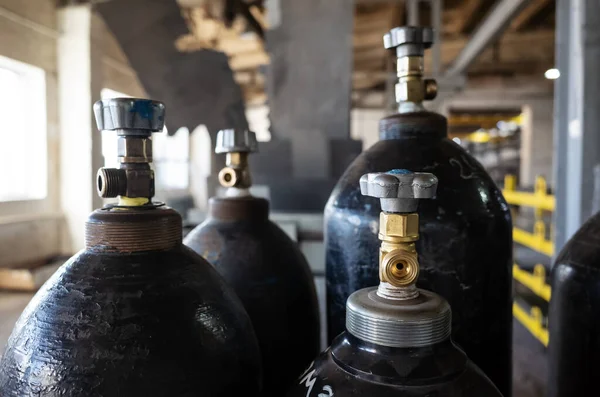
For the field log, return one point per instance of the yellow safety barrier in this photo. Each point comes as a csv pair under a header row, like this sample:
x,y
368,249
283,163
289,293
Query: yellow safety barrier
x,y
539,199
533,321
536,240
535,281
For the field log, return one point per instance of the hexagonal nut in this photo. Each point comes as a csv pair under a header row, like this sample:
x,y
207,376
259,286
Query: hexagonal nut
x,y
134,150
410,90
409,65
399,225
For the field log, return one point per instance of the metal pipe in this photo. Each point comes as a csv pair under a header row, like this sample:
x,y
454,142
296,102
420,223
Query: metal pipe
x,y
436,22
412,10
487,32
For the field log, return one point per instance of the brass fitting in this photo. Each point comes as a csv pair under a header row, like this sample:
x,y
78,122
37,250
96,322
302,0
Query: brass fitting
x,y
411,86
398,261
236,144
409,44
236,173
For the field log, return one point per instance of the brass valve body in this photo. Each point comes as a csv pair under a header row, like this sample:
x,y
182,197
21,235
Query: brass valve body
x,y
398,261
411,86
236,173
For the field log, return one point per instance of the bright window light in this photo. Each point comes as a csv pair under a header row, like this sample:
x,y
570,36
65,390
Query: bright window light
x,y
552,74
23,145
172,160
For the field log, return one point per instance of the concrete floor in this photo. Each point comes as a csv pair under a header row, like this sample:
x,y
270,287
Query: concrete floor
x,y
529,365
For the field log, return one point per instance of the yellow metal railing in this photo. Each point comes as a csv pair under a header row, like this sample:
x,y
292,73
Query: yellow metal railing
x,y
535,281
533,321
538,199
541,201
537,240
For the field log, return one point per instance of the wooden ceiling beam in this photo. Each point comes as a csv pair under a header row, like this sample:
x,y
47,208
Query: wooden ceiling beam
x,y
369,54
375,20
463,17
249,60
532,10
368,40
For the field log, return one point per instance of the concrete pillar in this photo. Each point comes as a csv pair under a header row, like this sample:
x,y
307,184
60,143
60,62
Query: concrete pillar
x,y
537,141
309,80
80,82
577,115
309,87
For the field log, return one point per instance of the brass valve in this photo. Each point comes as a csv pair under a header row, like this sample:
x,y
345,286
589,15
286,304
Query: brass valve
x,y
410,43
399,192
134,120
237,144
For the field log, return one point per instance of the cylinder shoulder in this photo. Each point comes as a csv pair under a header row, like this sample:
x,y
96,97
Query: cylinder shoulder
x,y
136,323
463,186
582,251
331,375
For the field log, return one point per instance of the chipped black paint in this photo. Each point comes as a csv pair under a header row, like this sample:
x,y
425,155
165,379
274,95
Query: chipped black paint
x,y
465,248
272,278
574,324
353,368
153,323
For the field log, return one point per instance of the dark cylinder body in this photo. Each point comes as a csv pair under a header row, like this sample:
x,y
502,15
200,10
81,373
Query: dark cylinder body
x,y
465,246
574,321
135,314
353,368
272,278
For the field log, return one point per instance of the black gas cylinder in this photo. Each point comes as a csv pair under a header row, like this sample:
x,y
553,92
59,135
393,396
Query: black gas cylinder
x,y
574,321
466,236
397,341
136,313
263,265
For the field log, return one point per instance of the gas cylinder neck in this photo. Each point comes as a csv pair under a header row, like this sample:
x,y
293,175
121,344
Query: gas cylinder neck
x,y
411,366
229,209
135,229
423,125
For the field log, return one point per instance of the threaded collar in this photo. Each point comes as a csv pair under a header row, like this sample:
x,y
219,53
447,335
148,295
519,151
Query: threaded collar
x,y
422,321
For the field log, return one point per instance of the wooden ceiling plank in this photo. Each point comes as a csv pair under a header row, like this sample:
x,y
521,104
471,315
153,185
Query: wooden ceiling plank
x,y
464,17
523,19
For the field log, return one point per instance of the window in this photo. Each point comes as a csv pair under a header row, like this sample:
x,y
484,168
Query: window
x,y
258,122
23,137
172,160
